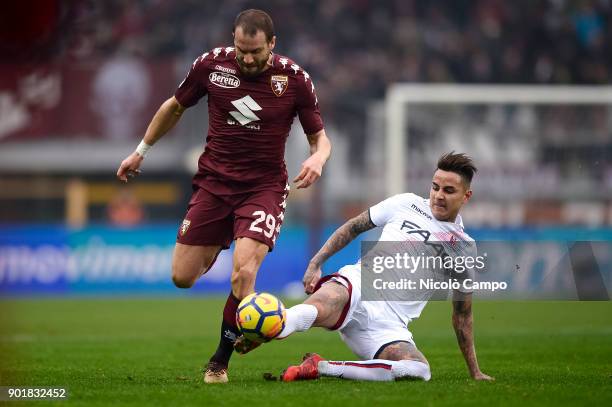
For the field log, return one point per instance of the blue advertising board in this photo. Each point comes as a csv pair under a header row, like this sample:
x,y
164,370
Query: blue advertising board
x,y
55,260
107,260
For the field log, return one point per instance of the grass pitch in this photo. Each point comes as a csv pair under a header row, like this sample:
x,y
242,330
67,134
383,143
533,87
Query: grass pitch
x,y
147,352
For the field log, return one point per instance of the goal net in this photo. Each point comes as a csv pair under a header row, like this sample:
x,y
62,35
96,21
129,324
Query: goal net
x,y
531,143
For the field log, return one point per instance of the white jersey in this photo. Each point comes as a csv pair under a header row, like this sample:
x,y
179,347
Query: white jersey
x,y
392,213
407,218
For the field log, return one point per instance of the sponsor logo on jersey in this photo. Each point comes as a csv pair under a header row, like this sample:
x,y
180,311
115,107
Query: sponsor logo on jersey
x,y
279,84
224,69
412,228
251,126
185,226
224,80
246,110
420,211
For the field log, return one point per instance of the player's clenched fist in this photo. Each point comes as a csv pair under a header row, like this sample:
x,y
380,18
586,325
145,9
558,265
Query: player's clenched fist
x,y
130,167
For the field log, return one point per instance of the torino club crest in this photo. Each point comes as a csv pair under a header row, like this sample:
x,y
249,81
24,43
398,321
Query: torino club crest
x,y
185,226
279,84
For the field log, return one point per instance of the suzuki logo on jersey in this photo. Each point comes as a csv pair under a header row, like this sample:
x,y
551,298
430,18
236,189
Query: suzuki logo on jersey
x,y
279,84
224,80
245,114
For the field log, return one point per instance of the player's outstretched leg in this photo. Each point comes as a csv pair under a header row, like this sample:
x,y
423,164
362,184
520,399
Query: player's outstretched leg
x,y
321,309
298,318
375,370
396,360
380,370
307,370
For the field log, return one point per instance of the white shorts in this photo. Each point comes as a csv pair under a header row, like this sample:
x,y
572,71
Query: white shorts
x,y
366,326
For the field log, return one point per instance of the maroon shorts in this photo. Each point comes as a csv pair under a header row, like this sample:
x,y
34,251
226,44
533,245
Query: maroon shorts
x,y
218,219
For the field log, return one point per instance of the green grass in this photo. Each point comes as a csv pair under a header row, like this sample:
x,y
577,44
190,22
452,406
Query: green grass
x,y
150,351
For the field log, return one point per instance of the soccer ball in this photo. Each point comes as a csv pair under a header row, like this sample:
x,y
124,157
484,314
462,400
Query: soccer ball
x,y
260,317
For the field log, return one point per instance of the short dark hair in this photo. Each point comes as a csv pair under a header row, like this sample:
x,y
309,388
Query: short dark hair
x,y
459,163
253,20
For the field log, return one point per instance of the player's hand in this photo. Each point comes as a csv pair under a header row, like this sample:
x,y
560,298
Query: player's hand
x,y
311,171
130,167
481,376
311,278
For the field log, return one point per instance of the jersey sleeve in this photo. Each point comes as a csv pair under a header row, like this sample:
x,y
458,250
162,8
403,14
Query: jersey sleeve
x,y
382,212
308,105
193,87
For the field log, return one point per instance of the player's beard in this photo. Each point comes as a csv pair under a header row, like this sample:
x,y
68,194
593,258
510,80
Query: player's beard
x,y
254,69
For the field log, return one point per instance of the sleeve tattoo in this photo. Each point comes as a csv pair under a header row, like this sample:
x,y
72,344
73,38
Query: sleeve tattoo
x,y
343,236
462,323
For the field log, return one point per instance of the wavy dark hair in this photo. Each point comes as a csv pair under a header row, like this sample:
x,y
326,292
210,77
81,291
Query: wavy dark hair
x,y
459,163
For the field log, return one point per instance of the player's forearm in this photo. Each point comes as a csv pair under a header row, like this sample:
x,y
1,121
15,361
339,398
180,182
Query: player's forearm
x,y
168,114
342,237
462,323
320,144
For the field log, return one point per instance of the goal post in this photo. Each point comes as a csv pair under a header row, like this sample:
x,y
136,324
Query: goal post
x,y
401,96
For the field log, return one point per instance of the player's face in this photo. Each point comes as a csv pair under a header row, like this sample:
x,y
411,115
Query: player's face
x,y
252,52
447,195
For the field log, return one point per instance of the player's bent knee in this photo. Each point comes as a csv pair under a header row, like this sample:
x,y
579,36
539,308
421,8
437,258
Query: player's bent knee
x,y
181,282
190,262
323,311
328,314
321,308
330,302
182,279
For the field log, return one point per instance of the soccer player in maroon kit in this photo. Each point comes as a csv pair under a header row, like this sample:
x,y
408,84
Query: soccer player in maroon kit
x,y
241,187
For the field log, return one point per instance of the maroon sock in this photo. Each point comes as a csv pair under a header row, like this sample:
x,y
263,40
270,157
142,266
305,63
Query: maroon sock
x,y
229,331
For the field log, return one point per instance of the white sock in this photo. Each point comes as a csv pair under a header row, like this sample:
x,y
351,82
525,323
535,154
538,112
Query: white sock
x,y
372,370
299,318
375,369
412,369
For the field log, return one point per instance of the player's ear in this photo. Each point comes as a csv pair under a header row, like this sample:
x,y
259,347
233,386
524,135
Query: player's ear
x,y
272,43
468,195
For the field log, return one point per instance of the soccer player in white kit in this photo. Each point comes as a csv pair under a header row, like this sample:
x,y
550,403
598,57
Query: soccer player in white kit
x,y
377,331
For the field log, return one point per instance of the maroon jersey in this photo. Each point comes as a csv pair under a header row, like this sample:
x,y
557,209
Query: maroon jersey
x,y
249,118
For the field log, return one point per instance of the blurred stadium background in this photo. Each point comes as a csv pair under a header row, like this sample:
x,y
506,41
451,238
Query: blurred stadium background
x,y
80,80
